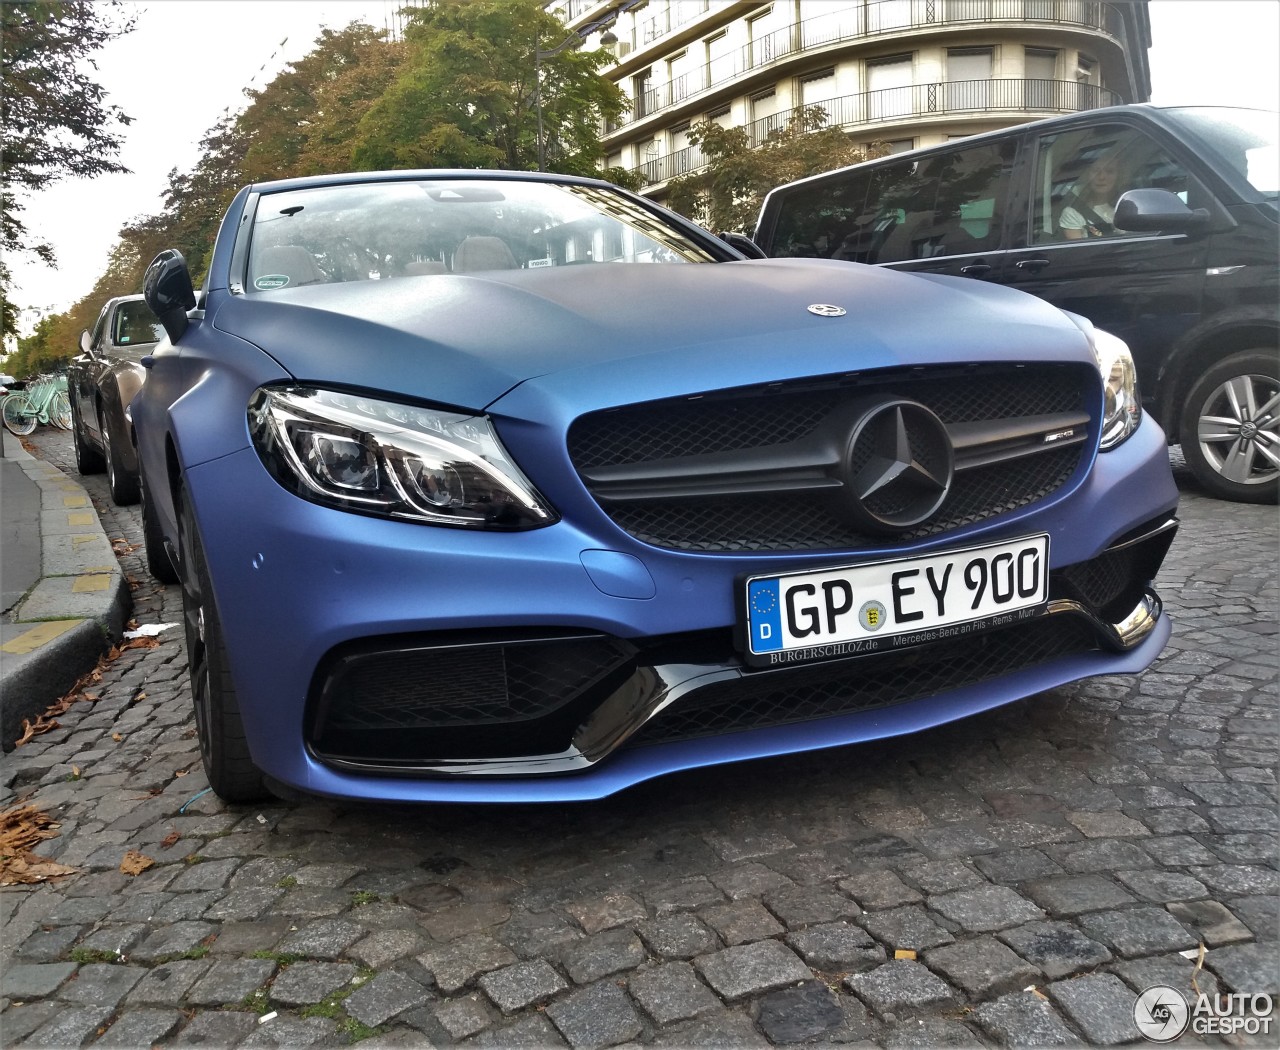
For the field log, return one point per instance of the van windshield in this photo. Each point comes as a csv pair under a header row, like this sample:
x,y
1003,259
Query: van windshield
x,y
1243,139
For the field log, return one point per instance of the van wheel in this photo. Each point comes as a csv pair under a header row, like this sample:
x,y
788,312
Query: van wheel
x,y
1230,428
223,747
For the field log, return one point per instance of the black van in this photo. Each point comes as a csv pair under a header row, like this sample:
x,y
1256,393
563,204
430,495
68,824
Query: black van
x,y
1160,225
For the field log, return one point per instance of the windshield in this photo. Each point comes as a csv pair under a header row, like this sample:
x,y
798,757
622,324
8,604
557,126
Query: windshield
x,y
405,228
1243,139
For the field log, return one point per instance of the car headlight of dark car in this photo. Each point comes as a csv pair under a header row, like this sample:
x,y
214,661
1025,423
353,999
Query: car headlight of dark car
x,y
408,462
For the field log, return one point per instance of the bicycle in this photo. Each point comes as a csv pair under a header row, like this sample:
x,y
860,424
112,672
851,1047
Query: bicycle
x,y
45,400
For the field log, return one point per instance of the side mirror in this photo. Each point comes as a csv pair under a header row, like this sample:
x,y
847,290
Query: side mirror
x,y
86,343
744,244
1157,211
169,293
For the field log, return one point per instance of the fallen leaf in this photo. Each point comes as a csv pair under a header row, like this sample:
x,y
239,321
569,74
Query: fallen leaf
x,y
170,840
20,829
75,772
135,863
116,737
182,772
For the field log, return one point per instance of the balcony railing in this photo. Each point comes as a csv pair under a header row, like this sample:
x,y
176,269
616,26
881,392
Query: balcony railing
x,y
671,17
908,103
861,22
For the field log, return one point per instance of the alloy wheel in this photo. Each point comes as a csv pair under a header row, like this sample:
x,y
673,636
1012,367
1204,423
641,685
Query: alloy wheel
x,y
1238,430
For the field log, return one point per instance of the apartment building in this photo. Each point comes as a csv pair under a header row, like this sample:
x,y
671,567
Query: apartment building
x,y
907,72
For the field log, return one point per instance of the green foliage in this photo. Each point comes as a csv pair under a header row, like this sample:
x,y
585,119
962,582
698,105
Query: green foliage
x,y
56,122
726,195
458,91
467,96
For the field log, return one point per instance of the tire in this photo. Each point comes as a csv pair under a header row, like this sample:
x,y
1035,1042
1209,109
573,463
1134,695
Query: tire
x,y
1230,428
88,459
159,564
223,747
18,416
124,485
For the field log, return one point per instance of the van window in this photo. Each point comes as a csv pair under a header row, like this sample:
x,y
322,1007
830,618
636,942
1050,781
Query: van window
x,y
924,208
1080,174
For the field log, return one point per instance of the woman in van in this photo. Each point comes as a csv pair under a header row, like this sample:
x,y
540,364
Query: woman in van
x,y
1093,208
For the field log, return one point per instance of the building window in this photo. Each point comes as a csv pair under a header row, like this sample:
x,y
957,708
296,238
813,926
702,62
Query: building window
x,y
762,42
889,87
969,78
818,87
719,59
642,86
1040,86
722,116
681,153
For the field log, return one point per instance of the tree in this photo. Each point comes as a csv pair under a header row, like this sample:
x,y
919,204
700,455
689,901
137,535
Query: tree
x,y
304,122
55,122
726,195
465,94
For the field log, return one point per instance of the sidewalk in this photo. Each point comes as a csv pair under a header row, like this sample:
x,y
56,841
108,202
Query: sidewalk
x,y
72,599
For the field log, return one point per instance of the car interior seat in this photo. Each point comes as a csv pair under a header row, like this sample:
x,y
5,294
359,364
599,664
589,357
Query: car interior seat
x,y
288,260
483,253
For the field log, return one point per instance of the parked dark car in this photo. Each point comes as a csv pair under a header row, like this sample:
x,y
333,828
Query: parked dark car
x,y
101,382
1159,225
495,486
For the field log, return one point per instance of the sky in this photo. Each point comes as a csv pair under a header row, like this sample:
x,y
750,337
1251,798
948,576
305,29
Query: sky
x,y
189,60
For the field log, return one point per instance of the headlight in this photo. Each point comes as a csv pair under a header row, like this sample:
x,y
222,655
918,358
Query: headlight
x,y
1121,407
391,460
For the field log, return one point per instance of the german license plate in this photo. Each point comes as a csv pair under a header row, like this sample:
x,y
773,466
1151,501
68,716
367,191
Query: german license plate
x,y
855,609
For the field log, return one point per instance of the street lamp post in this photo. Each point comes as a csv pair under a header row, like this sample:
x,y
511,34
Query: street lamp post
x,y
607,39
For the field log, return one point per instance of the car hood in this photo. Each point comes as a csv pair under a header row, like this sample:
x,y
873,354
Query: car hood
x,y
465,340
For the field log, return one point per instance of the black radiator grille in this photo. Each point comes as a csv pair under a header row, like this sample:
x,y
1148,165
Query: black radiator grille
x,y
667,432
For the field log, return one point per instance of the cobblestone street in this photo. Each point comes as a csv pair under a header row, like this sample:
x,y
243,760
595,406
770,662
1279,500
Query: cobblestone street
x,y
1015,879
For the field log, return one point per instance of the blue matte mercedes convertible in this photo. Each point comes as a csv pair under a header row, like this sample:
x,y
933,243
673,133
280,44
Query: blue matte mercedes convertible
x,y
495,486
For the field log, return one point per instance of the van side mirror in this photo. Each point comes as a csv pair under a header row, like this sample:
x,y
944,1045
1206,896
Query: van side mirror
x,y
169,293
1157,211
86,343
744,244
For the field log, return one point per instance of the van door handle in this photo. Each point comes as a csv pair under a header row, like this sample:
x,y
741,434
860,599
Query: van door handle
x,y
1034,265
976,269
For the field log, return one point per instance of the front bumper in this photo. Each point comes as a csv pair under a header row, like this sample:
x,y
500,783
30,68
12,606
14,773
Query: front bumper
x,y
345,634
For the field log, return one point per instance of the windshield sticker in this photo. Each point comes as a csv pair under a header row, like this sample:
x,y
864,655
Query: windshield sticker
x,y
271,280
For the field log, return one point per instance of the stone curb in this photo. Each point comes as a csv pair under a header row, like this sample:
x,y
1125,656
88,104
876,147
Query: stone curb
x,y
75,611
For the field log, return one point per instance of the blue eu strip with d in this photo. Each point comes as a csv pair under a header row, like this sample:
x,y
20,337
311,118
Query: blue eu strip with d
x,y
766,615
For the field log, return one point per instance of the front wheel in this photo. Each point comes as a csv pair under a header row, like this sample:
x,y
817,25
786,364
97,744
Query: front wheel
x,y
223,747
1230,428
159,563
18,414
124,485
